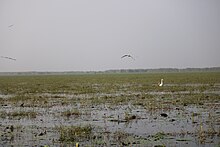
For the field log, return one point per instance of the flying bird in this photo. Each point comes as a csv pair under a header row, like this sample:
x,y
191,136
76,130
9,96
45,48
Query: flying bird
x,y
11,25
8,58
127,55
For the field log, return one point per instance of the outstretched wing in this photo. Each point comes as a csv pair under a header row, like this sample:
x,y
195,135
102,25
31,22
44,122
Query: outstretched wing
x,y
124,56
8,58
132,57
128,55
11,25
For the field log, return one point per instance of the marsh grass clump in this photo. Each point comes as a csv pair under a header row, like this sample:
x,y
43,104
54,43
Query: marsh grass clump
x,y
122,138
153,105
111,99
158,136
73,112
1,99
201,134
27,100
3,114
65,101
190,99
75,133
19,98
129,117
22,114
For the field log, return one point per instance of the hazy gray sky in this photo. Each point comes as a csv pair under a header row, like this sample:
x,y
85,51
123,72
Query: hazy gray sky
x,y
73,35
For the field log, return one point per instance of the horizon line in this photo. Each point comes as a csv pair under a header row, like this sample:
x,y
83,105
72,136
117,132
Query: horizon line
x,y
123,69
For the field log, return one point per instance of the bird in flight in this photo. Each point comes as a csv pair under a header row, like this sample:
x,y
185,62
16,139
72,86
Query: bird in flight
x,y
127,55
11,25
8,58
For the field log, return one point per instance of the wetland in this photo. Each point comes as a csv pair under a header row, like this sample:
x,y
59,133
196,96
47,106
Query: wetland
x,y
111,110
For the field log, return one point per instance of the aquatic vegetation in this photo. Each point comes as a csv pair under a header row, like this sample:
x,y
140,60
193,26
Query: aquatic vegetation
x,y
21,114
75,133
3,114
158,136
122,138
129,117
123,109
73,112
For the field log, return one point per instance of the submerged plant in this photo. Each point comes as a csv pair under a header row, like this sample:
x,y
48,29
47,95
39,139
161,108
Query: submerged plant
x,y
201,134
158,136
20,114
3,114
75,133
69,113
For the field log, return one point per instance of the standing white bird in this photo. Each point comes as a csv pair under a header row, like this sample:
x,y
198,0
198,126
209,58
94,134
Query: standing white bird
x,y
161,83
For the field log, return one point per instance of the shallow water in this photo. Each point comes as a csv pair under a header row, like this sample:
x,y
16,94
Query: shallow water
x,y
5,96
183,125
146,123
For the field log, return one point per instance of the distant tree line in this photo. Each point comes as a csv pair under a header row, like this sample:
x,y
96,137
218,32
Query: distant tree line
x,y
212,69
158,70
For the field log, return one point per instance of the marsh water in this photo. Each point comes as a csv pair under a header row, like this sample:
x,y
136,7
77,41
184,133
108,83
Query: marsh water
x,y
118,117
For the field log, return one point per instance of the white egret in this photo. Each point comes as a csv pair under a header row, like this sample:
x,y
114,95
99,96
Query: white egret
x,y
161,83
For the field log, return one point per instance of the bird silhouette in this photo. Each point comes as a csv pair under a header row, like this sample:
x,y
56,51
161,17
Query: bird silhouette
x,y
11,25
127,55
8,58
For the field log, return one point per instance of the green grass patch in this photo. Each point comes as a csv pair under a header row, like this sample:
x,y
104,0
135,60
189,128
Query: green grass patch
x,y
75,133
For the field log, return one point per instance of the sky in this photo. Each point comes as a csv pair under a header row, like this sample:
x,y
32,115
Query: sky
x,y
92,35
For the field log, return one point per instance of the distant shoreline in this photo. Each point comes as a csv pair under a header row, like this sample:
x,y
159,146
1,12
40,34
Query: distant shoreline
x,y
156,70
